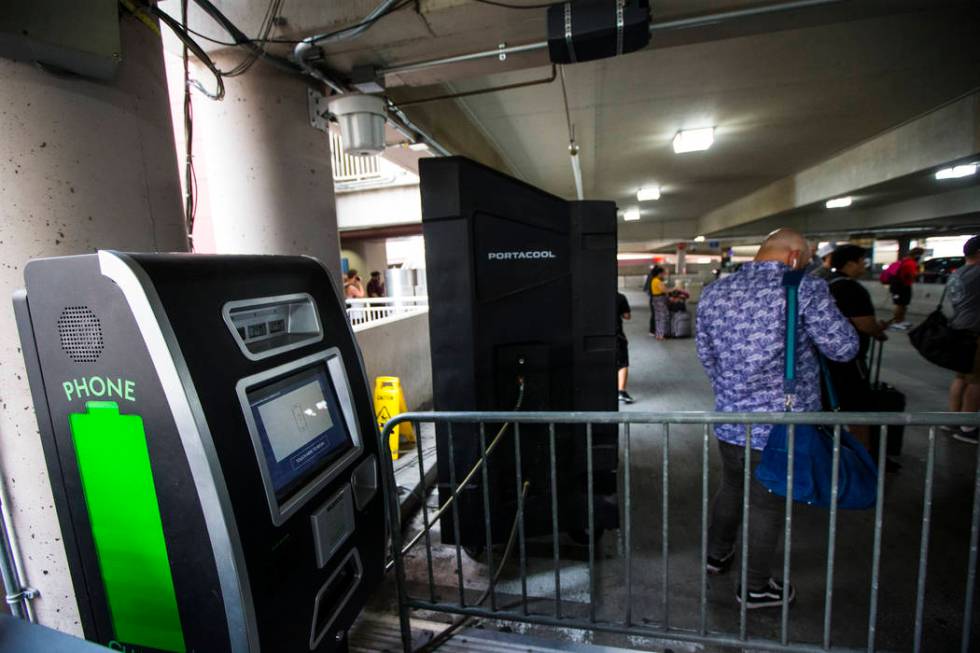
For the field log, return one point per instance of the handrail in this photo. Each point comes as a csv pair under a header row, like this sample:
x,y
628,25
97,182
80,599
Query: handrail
x,y
375,301
692,417
367,312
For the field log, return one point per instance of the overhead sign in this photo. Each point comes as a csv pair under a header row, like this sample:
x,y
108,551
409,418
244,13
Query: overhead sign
x,y
701,247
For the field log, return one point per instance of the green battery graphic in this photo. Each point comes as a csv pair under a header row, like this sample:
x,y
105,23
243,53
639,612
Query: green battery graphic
x,y
117,481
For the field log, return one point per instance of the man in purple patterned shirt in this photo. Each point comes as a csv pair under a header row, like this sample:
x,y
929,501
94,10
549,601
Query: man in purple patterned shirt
x,y
741,333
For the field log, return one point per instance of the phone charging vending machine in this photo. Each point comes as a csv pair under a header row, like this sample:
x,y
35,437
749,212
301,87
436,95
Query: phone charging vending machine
x,y
211,445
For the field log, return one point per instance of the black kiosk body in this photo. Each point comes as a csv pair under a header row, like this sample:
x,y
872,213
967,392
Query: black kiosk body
x,y
211,446
522,285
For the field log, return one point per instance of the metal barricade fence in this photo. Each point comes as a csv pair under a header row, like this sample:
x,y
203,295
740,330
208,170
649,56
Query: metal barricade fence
x,y
664,630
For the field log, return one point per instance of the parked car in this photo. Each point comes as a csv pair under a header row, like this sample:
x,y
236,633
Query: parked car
x,y
937,270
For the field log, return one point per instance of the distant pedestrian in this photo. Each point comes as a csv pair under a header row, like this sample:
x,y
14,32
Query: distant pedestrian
x,y
822,269
851,379
376,285
963,290
622,347
352,285
646,289
900,279
658,303
741,335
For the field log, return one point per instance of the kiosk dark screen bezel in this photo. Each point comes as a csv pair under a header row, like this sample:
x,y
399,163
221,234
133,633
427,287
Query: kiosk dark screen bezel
x,y
257,394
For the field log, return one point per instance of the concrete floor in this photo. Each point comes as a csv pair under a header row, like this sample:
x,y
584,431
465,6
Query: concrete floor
x,y
666,376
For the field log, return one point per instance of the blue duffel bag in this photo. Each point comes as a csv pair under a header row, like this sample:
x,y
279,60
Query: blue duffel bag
x,y
813,459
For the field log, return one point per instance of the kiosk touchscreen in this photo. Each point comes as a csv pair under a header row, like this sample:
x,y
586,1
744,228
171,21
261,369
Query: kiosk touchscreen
x,y
212,449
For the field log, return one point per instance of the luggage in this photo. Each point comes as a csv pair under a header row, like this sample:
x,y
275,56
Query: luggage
x,y
889,273
885,399
943,345
680,324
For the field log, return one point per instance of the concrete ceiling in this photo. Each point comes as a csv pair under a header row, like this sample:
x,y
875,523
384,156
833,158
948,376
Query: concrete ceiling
x,y
785,91
781,102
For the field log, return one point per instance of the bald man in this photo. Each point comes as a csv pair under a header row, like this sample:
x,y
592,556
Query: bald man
x,y
741,334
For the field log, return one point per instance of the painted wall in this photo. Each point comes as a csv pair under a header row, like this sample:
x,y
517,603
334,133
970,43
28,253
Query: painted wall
x,y
366,255
355,260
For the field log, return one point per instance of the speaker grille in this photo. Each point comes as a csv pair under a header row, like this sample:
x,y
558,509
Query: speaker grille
x,y
81,334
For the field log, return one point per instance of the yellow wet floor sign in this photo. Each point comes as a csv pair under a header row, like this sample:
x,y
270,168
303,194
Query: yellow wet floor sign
x,y
388,402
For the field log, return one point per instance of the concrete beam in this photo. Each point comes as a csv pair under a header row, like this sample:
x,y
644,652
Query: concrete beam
x,y
951,205
941,211
647,236
379,207
946,134
451,123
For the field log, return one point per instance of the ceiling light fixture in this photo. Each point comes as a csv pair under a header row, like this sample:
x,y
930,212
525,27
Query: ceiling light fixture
x,y
957,171
648,193
631,215
839,202
694,140
699,239
419,147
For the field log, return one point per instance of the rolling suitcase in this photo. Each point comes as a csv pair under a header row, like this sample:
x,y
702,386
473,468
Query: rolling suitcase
x,y
886,399
680,324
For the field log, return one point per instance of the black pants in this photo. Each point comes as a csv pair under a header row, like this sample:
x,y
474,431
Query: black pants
x,y
765,515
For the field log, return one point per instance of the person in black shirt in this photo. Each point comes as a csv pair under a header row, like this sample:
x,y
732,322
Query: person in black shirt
x,y
376,286
851,379
622,347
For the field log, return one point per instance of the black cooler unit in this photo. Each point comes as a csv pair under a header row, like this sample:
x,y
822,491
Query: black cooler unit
x,y
522,291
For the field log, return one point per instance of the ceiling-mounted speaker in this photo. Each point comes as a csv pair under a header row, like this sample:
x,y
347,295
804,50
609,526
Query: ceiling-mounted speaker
x,y
597,29
80,333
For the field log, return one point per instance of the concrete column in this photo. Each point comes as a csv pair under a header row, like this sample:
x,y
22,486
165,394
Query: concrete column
x,y
681,260
84,165
270,185
904,245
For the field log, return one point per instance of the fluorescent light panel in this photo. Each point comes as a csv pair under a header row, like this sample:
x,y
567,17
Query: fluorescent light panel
x,y
699,239
957,171
648,193
631,215
419,147
694,140
839,202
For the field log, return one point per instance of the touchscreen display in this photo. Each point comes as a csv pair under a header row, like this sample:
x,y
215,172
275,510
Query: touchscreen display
x,y
300,425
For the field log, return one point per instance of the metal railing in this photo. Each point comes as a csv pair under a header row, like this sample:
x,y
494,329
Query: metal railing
x,y
351,168
518,610
375,310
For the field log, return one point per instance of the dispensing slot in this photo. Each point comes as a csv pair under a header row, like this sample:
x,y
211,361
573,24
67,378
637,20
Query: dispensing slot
x,y
334,596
